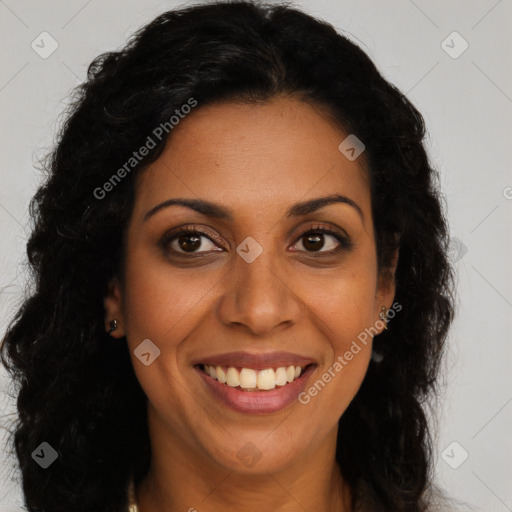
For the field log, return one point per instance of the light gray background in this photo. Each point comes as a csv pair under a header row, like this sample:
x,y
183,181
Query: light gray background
x,y
467,105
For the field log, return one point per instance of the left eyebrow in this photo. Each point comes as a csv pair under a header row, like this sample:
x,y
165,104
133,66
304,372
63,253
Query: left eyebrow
x,y
316,204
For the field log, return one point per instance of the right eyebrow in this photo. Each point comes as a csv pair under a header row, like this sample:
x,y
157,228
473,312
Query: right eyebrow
x,y
199,205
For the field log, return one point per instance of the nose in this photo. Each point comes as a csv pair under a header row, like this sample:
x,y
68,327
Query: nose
x,y
259,297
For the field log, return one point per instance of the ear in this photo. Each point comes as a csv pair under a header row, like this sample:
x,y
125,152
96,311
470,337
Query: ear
x,y
386,286
113,304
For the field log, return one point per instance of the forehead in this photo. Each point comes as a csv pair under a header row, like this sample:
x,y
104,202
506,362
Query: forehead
x,y
254,157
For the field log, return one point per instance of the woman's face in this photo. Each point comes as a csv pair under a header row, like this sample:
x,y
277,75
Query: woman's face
x,y
250,285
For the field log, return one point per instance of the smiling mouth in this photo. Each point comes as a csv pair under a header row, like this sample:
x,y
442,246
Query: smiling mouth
x,y
248,379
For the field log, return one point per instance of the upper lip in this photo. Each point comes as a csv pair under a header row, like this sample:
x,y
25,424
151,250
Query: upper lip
x,y
256,361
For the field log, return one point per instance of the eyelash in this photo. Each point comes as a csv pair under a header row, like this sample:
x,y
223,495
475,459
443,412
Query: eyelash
x,y
345,243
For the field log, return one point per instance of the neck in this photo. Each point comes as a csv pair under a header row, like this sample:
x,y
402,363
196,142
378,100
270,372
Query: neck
x,y
180,478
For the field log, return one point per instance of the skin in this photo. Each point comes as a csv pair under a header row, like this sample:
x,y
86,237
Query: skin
x,y
256,160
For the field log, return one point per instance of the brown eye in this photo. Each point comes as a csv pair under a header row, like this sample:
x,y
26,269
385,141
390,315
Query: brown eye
x,y
188,241
192,243
316,242
322,240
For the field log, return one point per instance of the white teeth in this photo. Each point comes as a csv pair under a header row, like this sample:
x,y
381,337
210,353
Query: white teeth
x,y
266,379
221,374
281,376
233,378
250,379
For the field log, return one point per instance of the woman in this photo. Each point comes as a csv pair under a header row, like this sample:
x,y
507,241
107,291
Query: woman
x,y
237,207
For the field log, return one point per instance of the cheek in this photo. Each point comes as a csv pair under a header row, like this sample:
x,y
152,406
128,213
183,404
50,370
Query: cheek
x,y
342,309
158,306
343,314
162,306
160,300
343,304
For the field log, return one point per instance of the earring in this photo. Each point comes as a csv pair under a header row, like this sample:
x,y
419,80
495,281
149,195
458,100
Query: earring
x,y
377,356
113,326
384,316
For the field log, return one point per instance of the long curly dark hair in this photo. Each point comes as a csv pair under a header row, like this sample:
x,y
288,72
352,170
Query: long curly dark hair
x,y
78,390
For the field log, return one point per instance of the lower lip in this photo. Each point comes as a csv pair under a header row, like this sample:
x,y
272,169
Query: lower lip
x,y
258,402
